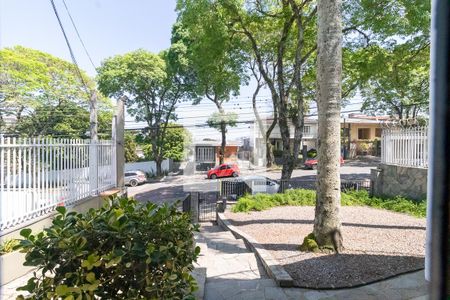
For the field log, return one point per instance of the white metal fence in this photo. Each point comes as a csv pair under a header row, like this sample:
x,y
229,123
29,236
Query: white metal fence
x,y
405,147
38,174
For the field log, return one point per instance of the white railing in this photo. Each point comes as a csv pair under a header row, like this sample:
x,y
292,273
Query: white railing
x,y
38,174
405,147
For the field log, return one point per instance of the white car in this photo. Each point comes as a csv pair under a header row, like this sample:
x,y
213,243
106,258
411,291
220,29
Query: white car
x,y
134,178
261,184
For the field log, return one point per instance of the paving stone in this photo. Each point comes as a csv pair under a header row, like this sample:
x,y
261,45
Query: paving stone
x,y
426,297
274,293
213,293
357,294
248,295
315,295
295,293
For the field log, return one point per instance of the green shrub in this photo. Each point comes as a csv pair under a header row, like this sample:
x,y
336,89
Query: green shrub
x,y
8,246
312,153
124,250
302,197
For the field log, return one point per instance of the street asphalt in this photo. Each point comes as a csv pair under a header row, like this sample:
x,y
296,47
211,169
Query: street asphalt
x,y
172,188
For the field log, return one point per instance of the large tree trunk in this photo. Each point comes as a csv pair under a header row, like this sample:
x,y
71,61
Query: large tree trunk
x,y
327,224
269,147
223,131
270,158
158,163
288,162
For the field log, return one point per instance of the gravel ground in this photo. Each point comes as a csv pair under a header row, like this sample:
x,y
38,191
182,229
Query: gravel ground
x,y
378,244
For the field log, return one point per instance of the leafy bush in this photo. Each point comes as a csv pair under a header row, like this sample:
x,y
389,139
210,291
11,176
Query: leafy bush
x,y
312,153
124,250
8,246
302,197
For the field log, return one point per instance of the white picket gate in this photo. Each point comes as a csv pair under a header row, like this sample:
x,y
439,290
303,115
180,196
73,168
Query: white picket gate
x,y
38,174
405,147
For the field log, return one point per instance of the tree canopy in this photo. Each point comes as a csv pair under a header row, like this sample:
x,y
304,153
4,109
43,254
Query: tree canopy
x,y
45,96
215,62
390,59
151,88
175,146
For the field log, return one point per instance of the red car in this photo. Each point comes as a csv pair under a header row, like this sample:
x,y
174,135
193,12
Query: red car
x,y
311,163
224,170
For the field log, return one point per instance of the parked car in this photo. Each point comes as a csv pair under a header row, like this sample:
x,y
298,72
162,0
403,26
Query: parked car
x,y
261,184
134,178
224,170
311,163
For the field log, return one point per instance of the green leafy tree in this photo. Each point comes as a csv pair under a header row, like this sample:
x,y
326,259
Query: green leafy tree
x,y
130,148
214,61
401,87
45,96
175,146
221,122
390,64
152,89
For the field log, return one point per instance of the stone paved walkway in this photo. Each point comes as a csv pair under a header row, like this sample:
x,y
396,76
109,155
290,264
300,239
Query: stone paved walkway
x,y
233,272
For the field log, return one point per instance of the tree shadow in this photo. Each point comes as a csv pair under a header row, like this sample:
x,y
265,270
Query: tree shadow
x,y
349,270
162,195
296,221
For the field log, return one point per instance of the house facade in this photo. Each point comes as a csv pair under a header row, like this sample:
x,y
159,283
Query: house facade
x,y
360,135
207,153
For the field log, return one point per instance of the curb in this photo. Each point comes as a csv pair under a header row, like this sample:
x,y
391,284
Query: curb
x,y
270,264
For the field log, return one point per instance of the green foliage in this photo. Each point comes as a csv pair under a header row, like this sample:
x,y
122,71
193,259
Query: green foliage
x,y
261,201
312,153
152,87
212,56
176,143
388,54
309,244
130,148
222,120
124,250
302,197
8,246
46,95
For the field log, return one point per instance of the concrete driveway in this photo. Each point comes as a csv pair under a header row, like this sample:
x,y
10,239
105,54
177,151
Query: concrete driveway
x,y
172,188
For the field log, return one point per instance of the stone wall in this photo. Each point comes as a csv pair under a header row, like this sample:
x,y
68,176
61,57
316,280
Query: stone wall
x,y
391,181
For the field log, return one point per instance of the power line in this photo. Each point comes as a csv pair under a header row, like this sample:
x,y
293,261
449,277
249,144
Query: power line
x,y
78,34
70,48
205,116
237,122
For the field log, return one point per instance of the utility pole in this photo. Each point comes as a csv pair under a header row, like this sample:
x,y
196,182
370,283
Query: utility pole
x,y
93,106
93,151
119,140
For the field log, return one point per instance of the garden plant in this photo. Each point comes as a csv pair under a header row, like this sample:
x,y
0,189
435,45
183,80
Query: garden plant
x,y
124,250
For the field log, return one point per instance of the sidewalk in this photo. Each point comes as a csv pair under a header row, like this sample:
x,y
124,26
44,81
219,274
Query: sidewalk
x,y
233,272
